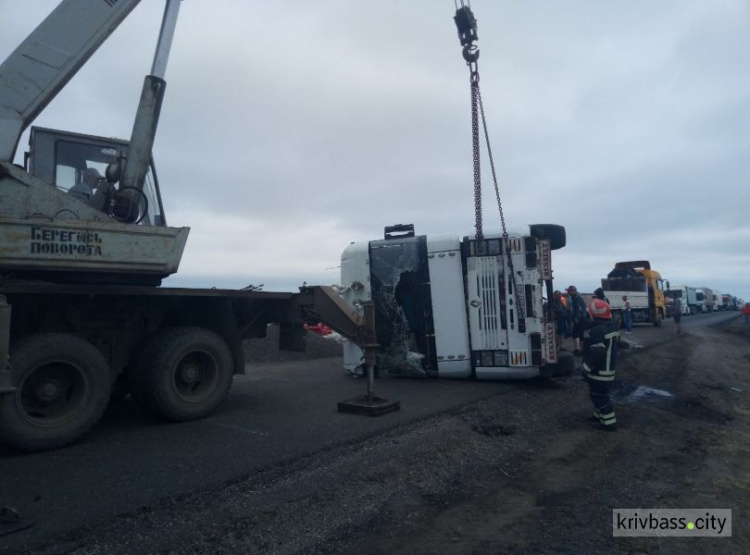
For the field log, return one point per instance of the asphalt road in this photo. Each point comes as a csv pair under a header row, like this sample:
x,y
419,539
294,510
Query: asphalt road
x,y
274,414
645,335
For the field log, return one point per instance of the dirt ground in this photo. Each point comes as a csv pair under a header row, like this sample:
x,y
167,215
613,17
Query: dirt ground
x,y
522,472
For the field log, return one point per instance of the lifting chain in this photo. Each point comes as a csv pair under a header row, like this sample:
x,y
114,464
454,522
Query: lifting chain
x,y
466,24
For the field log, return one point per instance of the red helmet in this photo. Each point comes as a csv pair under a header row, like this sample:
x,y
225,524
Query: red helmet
x,y
600,309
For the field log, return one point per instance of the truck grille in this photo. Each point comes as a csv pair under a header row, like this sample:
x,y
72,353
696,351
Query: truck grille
x,y
488,289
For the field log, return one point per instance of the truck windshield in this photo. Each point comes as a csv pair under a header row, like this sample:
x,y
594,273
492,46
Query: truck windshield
x,y
399,277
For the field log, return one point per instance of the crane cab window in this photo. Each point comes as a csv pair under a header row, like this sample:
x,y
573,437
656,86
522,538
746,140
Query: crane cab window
x,y
77,164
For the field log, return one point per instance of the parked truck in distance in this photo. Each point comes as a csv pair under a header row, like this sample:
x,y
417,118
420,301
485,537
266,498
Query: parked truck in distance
x,y
453,307
687,298
644,289
730,302
705,297
719,301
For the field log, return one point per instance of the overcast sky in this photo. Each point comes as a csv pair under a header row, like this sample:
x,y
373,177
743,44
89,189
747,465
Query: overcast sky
x,y
291,128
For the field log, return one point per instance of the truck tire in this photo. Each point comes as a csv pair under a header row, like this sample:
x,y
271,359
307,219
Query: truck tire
x,y
566,364
555,234
183,374
617,319
63,386
659,320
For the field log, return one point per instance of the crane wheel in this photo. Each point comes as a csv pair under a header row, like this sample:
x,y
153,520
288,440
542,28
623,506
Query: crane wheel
x,y
63,384
183,374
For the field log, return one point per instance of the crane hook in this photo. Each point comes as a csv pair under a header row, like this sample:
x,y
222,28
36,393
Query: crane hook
x,y
466,24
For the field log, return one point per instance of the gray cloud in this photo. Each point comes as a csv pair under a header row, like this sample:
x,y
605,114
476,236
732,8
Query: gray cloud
x,y
292,128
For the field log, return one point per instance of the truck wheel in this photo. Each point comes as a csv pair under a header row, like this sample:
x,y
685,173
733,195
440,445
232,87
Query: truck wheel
x,y
63,385
555,234
617,320
566,364
184,374
659,319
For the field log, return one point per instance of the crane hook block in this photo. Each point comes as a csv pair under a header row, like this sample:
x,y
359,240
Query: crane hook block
x,y
466,24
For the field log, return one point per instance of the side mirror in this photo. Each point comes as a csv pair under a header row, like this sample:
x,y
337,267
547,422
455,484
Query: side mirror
x,y
113,173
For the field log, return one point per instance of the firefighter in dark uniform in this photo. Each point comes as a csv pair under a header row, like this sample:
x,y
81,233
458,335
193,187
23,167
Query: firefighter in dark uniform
x,y
599,358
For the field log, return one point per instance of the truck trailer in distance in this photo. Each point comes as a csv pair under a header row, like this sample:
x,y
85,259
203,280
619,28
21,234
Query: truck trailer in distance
x,y
644,288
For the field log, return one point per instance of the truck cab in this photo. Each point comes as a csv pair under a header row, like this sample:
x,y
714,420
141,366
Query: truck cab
x,y
457,307
684,297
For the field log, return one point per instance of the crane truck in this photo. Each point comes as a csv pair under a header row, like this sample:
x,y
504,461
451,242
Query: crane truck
x,y
84,246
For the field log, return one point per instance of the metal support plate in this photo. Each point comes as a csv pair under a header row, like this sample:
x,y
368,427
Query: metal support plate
x,y
369,405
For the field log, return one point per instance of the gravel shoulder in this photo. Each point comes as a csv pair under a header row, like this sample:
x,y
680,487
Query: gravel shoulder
x,y
516,473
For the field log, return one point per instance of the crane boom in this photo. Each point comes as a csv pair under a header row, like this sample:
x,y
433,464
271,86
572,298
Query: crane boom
x,y
42,65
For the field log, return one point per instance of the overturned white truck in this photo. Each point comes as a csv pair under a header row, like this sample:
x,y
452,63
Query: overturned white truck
x,y
454,307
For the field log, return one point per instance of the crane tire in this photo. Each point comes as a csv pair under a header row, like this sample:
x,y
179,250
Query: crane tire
x,y
63,384
184,373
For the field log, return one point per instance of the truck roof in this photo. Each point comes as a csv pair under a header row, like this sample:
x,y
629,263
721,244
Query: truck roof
x,y
635,265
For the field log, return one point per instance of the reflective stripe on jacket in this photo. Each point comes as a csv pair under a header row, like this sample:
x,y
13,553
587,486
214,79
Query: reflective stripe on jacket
x,y
600,351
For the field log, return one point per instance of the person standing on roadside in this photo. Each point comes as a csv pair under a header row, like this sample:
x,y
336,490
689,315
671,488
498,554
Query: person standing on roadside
x,y
746,314
561,319
599,360
677,313
627,314
579,317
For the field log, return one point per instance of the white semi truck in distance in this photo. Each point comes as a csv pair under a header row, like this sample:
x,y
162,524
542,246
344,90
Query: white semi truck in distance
x,y
458,307
705,298
687,298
